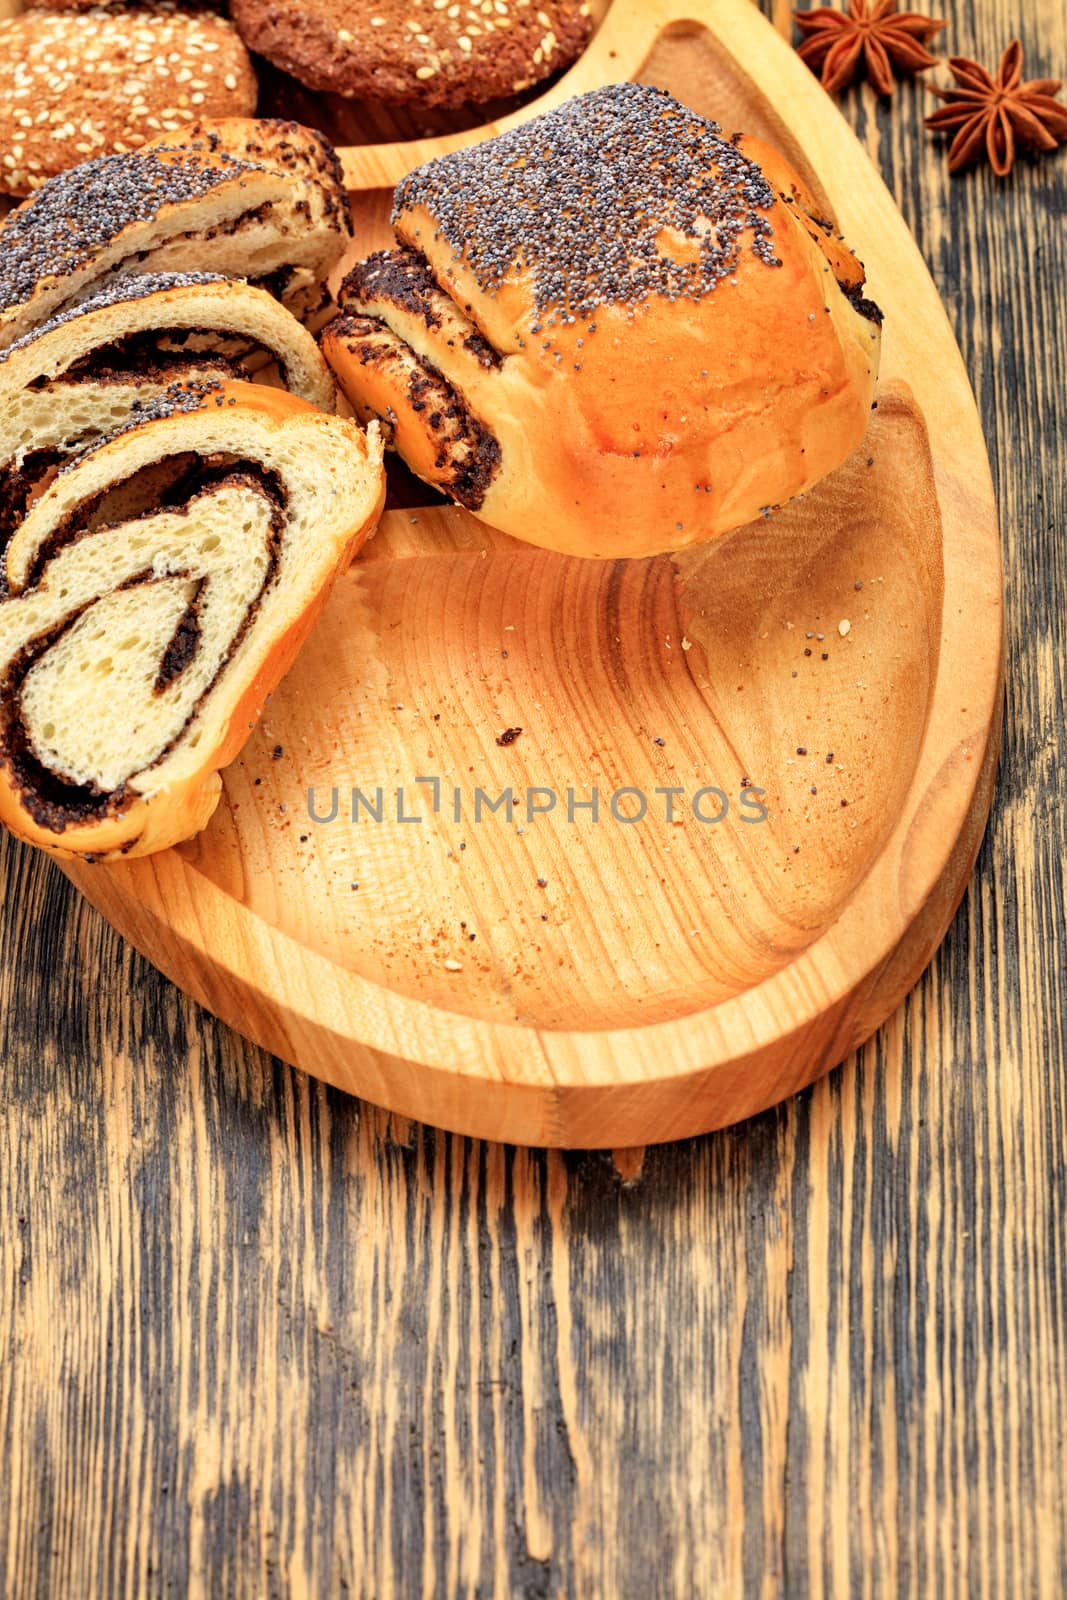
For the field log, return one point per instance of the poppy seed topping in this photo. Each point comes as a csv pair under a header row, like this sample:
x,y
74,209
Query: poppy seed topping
x,y
579,199
118,292
58,231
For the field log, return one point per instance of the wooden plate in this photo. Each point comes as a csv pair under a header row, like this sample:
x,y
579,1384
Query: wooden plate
x,y
617,982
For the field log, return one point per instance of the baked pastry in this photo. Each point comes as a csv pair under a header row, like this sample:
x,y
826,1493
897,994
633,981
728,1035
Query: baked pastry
x,y
610,330
80,376
258,200
146,327
123,5
137,650
81,84
325,217
416,52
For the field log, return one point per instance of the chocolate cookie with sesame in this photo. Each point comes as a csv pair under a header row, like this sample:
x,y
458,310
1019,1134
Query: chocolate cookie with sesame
x,y
441,53
76,84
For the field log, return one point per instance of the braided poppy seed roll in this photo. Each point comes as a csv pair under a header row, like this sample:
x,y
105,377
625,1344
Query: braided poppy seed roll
x,y
137,651
611,331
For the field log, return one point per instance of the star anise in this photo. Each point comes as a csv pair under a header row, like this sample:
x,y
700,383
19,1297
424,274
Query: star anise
x,y
872,31
991,115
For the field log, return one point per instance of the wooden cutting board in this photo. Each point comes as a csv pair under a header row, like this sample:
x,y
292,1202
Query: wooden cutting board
x,y
555,979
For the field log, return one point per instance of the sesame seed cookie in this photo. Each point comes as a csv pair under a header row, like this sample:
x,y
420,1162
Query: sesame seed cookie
x,y
81,84
120,5
416,52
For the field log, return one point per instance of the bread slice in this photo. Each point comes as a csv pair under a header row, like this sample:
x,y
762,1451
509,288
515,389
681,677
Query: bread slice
x,y
288,148
79,376
136,653
284,147
136,325
276,211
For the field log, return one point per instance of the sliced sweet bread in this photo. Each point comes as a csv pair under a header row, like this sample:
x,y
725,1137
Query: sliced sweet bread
x,y
136,652
276,212
289,149
285,147
77,377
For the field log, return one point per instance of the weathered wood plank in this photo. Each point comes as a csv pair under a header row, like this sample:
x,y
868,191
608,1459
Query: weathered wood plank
x,y
260,1340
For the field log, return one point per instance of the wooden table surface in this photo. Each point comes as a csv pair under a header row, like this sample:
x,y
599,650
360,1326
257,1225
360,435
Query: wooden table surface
x,y
258,1339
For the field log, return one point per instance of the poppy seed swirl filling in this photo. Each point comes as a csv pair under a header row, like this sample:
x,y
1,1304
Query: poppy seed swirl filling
x,y
184,622
464,454
150,584
84,373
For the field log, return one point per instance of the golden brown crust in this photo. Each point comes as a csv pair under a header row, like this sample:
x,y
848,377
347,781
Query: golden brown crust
x,y
75,85
416,52
652,388
845,265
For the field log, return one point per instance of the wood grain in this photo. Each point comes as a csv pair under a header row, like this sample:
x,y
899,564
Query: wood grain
x,y
258,1340
551,981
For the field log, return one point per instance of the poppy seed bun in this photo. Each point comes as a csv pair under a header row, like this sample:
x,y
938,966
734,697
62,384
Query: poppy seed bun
x,y
611,331
416,52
